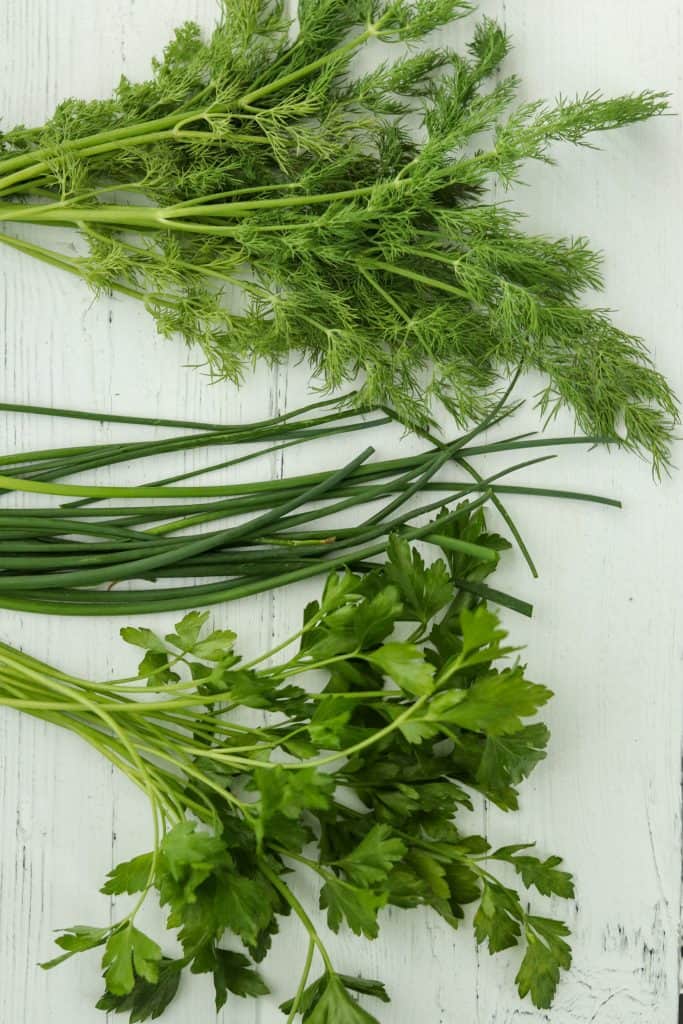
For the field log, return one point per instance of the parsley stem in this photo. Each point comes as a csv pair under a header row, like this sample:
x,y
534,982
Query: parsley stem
x,y
298,909
302,983
363,744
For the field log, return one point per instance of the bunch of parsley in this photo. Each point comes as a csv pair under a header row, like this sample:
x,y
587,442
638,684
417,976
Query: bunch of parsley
x,y
359,783
260,163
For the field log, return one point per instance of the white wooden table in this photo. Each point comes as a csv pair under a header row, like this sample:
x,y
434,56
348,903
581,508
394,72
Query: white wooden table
x,y
607,635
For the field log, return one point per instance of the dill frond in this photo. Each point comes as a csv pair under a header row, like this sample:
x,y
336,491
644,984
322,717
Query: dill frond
x,y
351,215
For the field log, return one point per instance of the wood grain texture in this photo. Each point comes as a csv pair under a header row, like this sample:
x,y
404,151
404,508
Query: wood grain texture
x,y
608,631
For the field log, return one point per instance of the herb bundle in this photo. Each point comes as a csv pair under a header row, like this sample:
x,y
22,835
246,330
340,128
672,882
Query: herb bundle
x,y
246,537
358,783
261,196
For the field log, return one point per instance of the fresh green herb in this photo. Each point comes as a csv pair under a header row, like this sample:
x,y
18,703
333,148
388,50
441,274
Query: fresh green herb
x,y
261,163
59,559
358,783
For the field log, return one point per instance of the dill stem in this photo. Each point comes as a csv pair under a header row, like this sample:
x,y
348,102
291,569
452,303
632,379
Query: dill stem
x,y
309,69
35,170
67,263
162,127
430,282
166,217
126,133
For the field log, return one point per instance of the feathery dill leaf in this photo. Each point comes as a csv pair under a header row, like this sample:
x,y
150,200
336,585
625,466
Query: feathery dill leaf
x,y
261,198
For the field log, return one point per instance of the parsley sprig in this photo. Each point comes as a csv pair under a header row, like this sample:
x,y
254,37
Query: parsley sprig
x,y
261,196
357,781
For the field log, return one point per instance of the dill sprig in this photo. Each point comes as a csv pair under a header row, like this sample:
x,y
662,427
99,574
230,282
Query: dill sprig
x,y
261,197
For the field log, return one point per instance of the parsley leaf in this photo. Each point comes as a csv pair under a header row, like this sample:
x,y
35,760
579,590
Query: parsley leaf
x,y
145,638
494,704
243,905
547,953
77,939
497,918
146,1001
130,954
188,630
541,874
232,972
423,591
335,1006
481,633
185,849
328,722
130,877
358,907
372,860
217,646
155,667
406,665
507,760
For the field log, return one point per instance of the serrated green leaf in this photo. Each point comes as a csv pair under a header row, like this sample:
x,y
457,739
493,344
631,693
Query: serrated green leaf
x,y
291,792
145,638
216,646
480,628
327,1001
371,861
423,591
155,667
232,972
185,847
243,905
335,1006
146,1001
358,907
507,760
464,884
250,690
309,997
543,875
431,871
130,877
365,987
497,918
494,704
405,664
328,721
77,939
547,953
358,626
188,630
130,954
339,587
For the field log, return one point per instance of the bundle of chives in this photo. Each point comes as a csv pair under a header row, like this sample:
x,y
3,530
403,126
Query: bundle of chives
x,y
64,560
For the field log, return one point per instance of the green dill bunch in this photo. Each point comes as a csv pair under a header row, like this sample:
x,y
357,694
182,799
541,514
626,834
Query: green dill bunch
x,y
262,197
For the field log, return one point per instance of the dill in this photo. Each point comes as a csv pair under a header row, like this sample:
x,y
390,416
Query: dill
x,y
261,197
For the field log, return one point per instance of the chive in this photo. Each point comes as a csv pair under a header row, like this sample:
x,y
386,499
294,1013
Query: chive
x,y
268,532
462,547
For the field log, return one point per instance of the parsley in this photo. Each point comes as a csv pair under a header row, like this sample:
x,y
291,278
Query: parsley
x,y
359,785
363,207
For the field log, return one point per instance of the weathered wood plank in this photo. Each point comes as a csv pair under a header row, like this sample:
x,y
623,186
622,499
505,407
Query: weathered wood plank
x,y
607,636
